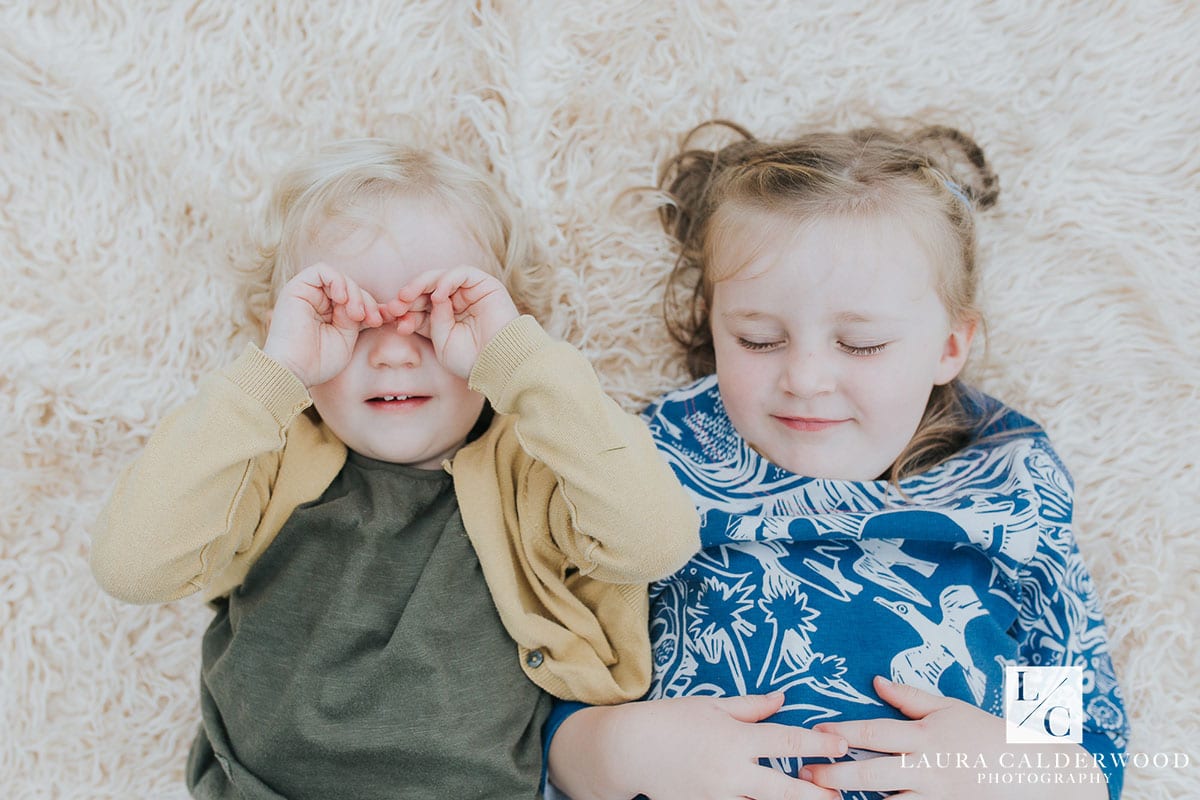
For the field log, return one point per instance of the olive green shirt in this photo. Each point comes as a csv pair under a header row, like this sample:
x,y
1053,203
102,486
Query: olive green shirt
x,y
363,657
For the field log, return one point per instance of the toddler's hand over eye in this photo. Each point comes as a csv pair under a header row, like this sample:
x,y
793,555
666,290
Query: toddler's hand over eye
x,y
460,310
316,322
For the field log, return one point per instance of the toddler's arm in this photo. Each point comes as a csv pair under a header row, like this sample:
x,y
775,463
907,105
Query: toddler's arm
x,y
193,499
618,512
191,503
566,500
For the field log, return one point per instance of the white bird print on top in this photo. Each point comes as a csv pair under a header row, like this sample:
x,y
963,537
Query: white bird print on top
x,y
943,643
879,561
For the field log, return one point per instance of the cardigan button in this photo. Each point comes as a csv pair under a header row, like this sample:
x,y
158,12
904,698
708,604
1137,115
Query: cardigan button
x,y
534,658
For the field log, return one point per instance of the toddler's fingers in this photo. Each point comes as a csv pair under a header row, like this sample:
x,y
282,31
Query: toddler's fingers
x,y
395,309
411,322
423,328
750,707
341,318
422,303
345,300
453,280
423,284
355,308
374,311
915,703
441,320
332,282
359,302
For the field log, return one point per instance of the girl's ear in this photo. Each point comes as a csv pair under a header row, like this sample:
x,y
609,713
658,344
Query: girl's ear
x,y
955,351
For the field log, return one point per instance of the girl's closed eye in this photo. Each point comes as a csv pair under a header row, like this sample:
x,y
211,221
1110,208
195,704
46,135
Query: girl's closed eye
x,y
757,346
862,350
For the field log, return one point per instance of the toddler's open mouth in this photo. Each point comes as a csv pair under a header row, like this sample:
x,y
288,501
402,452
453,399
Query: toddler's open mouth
x,y
398,400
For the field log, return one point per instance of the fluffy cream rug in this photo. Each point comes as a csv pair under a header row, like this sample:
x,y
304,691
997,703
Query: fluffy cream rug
x,y
138,140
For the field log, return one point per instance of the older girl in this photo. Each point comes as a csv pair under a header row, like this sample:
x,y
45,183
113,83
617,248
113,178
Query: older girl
x,y
879,540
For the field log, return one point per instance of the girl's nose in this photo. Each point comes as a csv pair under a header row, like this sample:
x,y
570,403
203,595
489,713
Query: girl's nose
x,y
808,373
386,348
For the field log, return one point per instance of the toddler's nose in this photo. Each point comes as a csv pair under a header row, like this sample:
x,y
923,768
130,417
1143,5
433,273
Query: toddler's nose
x,y
386,348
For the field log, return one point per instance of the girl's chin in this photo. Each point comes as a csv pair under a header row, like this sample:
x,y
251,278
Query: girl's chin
x,y
821,468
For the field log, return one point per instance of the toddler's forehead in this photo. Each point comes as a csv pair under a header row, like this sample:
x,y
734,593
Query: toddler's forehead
x,y
401,237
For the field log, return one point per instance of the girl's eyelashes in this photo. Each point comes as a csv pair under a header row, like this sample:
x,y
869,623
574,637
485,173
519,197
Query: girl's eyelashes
x,y
747,344
865,350
854,350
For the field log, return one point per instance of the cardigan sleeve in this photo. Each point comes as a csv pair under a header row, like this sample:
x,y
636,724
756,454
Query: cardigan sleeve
x,y
630,520
192,500
1060,623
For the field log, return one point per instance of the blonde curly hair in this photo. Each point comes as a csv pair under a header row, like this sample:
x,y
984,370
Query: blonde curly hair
x,y
350,181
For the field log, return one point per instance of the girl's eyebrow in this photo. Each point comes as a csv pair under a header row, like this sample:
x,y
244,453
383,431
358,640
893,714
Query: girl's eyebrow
x,y
849,320
843,317
852,317
860,318
748,315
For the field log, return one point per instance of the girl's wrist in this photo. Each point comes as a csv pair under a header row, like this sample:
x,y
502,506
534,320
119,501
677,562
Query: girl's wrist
x,y
584,756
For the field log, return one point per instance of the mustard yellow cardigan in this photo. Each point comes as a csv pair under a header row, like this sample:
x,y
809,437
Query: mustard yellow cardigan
x,y
565,499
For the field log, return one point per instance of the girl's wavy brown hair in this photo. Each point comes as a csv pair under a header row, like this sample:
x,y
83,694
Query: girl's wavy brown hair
x,y
933,177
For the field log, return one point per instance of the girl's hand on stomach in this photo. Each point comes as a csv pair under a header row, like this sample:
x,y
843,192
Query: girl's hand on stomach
x,y
685,748
966,738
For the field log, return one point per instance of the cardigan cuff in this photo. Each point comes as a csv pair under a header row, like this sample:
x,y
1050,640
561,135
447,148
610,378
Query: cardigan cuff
x,y
502,357
270,383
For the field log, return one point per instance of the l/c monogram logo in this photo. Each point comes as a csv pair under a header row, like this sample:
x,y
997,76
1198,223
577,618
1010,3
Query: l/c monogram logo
x,y
1043,704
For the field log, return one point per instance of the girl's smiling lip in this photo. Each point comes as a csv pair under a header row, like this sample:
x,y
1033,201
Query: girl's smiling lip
x,y
808,424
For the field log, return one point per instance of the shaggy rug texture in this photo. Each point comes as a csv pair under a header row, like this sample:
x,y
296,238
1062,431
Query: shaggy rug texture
x,y
138,141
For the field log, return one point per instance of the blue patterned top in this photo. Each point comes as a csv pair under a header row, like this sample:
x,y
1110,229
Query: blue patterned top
x,y
813,586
